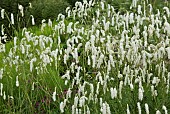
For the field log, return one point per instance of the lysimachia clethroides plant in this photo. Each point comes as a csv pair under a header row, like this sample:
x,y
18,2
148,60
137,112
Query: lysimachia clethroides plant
x,y
112,62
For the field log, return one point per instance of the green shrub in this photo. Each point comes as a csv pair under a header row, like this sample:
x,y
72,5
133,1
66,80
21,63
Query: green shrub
x,y
47,9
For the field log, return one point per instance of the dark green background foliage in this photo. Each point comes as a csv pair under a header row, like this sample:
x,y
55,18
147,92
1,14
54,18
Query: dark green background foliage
x,y
47,9
11,6
41,9
72,2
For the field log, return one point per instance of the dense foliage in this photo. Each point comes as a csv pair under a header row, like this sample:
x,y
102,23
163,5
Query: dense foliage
x,y
47,9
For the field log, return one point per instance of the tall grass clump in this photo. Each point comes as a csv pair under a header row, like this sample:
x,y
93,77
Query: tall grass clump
x,y
94,59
